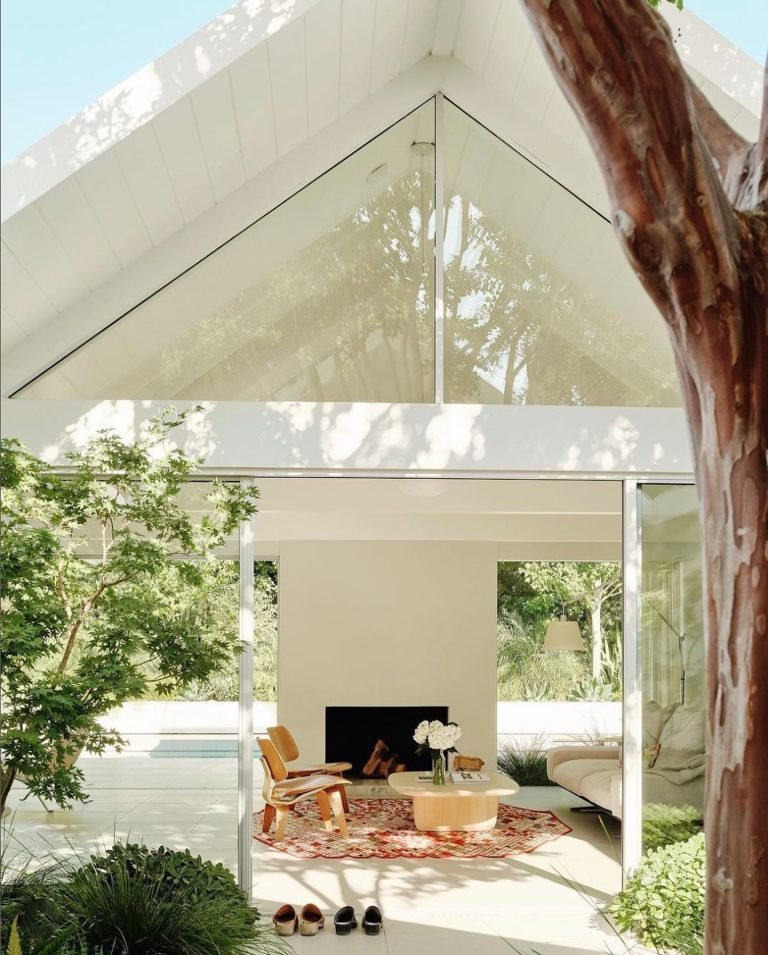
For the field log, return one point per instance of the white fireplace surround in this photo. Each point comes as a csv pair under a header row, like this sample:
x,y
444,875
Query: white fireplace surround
x,y
388,623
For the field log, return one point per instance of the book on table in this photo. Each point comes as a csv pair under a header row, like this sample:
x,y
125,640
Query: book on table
x,y
469,777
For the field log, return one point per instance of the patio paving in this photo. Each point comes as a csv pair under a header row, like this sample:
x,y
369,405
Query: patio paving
x,y
546,902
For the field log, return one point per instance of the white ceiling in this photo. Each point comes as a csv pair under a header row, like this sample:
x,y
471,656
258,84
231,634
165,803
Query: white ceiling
x,y
134,189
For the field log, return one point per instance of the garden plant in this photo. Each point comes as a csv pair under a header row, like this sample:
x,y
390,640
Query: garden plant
x,y
131,900
662,902
96,606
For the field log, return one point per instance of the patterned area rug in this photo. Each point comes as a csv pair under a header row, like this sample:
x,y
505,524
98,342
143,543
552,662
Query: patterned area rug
x,y
383,829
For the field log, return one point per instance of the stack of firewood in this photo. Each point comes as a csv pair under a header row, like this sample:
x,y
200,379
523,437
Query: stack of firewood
x,y
382,762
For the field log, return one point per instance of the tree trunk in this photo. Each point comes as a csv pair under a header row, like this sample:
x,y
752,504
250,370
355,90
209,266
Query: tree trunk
x,y
597,638
8,775
690,207
732,477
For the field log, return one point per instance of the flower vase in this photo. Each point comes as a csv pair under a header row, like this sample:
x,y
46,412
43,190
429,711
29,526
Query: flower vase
x,y
438,769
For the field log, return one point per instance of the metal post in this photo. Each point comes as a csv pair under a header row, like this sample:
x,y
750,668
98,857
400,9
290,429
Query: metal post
x,y
245,711
439,251
632,754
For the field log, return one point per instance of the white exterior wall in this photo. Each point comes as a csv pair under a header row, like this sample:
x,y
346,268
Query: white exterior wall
x,y
145,723
348,438
388,624
524,721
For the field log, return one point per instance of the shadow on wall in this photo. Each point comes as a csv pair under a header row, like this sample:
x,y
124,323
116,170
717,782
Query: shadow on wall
x,y
418,437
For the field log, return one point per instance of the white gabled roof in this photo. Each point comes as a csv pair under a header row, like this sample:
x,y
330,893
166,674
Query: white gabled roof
x,y
195,146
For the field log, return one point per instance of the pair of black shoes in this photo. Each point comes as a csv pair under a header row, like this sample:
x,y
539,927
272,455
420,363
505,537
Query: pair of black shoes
x,y
345,920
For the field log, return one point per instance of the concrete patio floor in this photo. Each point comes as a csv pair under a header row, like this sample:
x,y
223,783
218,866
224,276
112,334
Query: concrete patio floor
x,y
545,902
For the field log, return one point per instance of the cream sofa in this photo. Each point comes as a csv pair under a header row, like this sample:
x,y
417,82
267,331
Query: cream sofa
x,y
673,772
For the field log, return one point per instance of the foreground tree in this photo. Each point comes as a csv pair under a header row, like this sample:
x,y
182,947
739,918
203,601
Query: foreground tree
x,y
689,200
95,606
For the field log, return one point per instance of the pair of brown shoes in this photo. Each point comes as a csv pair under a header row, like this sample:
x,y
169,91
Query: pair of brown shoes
x,y
308,922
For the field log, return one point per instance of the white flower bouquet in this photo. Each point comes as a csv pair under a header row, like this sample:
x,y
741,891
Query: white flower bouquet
x,y
439,738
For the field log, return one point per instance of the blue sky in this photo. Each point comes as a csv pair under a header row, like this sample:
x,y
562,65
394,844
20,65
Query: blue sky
x,y
58,56
744,22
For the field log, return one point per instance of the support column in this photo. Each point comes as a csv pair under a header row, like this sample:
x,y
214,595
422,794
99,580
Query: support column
x,y
245,711
632,753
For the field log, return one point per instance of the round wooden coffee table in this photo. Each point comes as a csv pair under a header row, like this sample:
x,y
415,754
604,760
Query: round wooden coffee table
x,y
469,807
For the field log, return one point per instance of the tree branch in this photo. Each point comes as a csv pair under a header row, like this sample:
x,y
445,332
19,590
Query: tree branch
x,y
755,193
616,62
728,149
75,629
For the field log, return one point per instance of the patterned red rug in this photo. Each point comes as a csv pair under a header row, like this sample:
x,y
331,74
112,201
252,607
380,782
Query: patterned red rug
x,y
383,829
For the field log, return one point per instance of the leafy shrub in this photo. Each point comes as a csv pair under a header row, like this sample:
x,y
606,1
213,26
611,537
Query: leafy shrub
x,y
143,901
663,825
23,891
525,763
172,869
663,901
525,670
590,690
220,599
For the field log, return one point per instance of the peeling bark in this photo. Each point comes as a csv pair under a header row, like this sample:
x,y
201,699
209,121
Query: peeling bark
x,y
690,207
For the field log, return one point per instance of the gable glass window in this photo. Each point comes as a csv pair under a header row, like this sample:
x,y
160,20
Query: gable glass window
x,y
541,307
329,297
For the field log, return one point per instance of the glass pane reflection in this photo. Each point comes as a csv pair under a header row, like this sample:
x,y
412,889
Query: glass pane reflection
x,y
541,307
672,661
328,298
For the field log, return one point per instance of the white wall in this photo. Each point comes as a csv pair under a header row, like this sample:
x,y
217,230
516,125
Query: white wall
x,y
388,624
171,717
523,721
351,438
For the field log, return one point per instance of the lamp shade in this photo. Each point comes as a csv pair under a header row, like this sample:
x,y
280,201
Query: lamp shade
x,y
563,634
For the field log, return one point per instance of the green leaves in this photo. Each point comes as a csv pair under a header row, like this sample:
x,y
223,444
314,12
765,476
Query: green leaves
x,y
663,825
132,899
99,601
663,902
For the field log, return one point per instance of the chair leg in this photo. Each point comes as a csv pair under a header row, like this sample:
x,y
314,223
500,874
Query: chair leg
x,y
325,809
282,820
338,811
269,818
343,791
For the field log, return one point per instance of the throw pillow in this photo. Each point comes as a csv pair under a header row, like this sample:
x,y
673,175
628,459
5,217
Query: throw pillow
x,y
681,738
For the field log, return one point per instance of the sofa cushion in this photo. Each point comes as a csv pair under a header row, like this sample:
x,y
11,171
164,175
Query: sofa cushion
x,y
604,789
596,780
571,774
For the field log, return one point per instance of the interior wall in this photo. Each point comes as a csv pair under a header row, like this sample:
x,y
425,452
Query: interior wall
x,y
388,623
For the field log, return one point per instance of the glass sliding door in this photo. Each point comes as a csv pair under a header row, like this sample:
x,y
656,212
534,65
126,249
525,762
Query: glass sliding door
x,y
672,665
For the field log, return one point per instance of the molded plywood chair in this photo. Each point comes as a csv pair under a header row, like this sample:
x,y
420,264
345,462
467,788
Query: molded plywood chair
x,y
286,745
281,792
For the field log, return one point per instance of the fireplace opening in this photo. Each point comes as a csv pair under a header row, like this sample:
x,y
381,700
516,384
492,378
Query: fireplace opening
x,y
377,740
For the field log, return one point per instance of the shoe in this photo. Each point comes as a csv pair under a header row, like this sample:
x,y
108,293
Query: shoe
x,y
372,920
311,920
344,920
285,920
